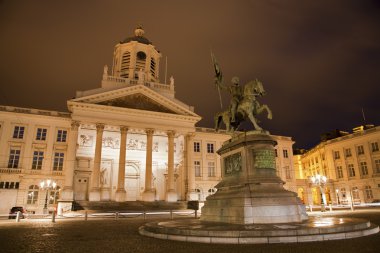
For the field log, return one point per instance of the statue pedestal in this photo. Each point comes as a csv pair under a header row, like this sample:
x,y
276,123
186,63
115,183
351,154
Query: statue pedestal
x,y
250,191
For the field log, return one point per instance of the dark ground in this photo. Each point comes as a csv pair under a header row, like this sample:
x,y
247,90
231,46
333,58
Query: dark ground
x,y
109,235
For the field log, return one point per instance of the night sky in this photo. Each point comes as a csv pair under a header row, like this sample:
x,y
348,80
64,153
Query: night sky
x,y
319,61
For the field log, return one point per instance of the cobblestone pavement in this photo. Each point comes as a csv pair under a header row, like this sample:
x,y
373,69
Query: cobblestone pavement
x,y
109,235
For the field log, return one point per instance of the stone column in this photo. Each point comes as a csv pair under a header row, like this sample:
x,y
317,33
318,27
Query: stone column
x,y
171,194
191,194
149,193
120,192
67,196
95,191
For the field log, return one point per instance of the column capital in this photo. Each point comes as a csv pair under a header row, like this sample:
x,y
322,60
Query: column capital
x,y
149,131
99,126
190,136
171,133
75,125
124,129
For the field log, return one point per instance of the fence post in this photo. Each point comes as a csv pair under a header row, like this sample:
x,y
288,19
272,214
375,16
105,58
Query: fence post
x,y
144,215
116,215
18,216
311,208
53,217
85,215
196,214
330,208
171,214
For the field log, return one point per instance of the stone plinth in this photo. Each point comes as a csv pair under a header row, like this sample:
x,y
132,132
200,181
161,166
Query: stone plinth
x,y
250,191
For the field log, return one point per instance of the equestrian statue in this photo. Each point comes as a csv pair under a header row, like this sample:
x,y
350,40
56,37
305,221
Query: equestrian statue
x,y
243,105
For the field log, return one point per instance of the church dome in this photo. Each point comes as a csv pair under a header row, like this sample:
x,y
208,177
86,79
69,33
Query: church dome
x,y
139,32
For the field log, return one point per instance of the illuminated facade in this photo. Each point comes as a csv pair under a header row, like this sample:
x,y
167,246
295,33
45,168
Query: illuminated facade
x,y
128,140
351,164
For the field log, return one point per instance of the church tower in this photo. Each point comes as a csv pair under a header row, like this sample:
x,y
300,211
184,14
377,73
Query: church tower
x,y
135,57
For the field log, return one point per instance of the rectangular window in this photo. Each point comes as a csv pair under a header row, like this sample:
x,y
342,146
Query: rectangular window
x,y
287,172
41,134
1,185
339,171
275,152
316,160
336,155
211,169
61,135
351,170
355,193
368,192
14,158
343,192
375,146
348,152
360,150
58,161
18,132
197,147
285,153
197,168
363,168
38,157
210,148
377,165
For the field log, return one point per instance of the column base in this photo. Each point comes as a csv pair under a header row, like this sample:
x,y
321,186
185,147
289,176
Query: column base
x,y
121,195
171,196
94,195
192,195
105,194
149,196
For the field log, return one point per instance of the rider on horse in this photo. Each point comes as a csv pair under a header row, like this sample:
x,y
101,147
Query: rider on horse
x,y
236,92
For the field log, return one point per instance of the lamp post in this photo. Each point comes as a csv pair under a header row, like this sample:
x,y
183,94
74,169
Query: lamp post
x,y
47,185
320,181
337,195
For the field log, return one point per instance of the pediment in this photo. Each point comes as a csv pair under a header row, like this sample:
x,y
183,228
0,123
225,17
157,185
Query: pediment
x,y
136,97
137,101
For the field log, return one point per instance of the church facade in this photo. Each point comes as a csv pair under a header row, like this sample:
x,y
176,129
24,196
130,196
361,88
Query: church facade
x,y
129,140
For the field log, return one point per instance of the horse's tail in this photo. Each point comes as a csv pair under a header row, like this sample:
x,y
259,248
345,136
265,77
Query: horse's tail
x,y
217,120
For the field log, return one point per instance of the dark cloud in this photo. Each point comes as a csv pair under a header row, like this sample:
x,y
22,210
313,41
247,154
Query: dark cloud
x,y
319,60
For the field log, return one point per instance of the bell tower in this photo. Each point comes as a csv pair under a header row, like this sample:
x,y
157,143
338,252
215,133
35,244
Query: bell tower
x,y
135,57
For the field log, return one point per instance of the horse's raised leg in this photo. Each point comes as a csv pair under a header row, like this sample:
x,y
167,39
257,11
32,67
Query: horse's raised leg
x,y
253,120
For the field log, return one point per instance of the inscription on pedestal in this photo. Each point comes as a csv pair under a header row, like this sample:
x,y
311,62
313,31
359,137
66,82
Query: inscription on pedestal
x,y
232,164
264,158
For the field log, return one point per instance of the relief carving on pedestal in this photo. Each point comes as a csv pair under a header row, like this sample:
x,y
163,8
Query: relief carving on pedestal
x,y
232,164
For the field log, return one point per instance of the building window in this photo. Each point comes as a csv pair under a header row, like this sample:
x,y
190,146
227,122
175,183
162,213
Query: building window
x,y
275,152
41,134
210,148
197,168
348,152
14,158
340,171
336,155
363,168
360,150
125,61
197,147
287,172
54,195
58,161
211,169
368,192
343,192
61,135
38,157
355,193
377,165
285,153
32,194
351,170
375,146
323,157
18,132
316,160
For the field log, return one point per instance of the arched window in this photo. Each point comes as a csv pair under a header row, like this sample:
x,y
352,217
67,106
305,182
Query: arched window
x,y
54,195
153,67
125,62
32,194
368,192
140,61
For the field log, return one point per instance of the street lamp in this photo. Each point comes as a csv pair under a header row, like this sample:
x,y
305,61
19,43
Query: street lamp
x,y
337,195
320,181
47,185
